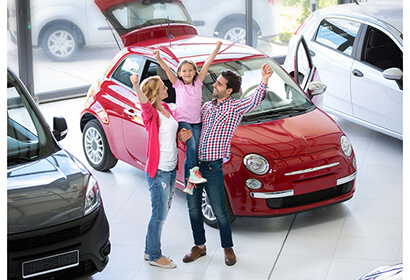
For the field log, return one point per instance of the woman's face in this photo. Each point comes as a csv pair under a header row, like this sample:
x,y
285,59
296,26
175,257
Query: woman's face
x,y
162,91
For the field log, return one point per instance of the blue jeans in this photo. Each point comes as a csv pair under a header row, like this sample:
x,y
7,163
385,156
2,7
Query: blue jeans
x,y
215,188
161,187
191,157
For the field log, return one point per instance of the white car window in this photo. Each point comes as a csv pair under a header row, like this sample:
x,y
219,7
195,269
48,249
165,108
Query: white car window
x,y
381,51
338,34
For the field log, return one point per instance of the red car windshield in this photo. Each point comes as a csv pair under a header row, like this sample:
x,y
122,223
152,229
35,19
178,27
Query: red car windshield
x,y
283,93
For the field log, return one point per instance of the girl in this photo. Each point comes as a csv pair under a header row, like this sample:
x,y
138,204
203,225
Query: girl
x,y
161,164
188,88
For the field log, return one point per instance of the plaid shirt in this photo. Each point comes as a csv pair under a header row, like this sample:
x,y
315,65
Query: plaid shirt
x,y
219,123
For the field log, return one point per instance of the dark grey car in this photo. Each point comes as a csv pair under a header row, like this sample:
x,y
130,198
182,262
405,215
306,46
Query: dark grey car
x,y
57,227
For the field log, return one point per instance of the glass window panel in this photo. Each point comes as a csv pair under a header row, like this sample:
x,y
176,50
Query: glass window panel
x,y
338,34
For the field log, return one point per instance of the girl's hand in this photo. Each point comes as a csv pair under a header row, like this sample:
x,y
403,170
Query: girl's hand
x,y
218,45
184,135
156,54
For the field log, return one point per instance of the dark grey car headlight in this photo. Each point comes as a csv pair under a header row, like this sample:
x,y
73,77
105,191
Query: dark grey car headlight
x,y
256,164
92,196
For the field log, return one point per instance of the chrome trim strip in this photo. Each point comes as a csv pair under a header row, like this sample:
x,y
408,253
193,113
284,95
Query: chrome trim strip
x,y
312,169
346,179
272,195
29,275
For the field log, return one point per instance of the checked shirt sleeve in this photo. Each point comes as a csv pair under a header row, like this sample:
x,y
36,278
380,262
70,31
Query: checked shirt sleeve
x,y
250,103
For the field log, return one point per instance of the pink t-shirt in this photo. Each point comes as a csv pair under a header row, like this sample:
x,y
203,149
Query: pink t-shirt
x,y
188,101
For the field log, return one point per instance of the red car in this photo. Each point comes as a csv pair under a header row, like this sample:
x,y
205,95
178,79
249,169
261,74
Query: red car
x,y
287,155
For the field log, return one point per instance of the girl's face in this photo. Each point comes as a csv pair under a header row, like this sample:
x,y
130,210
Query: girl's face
x,y
162,91
187,73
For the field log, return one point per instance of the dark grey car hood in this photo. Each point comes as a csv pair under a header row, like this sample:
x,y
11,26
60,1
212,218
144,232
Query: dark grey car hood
x,y
46,192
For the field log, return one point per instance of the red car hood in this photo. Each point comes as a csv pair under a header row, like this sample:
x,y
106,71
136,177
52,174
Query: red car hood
x,y
304,134
141,20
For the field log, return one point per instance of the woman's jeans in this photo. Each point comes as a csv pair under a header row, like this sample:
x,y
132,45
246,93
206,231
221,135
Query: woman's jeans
x,y
215,188
162,188
191,157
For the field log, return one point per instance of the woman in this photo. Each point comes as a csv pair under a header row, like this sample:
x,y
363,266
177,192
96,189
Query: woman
x,y
161,163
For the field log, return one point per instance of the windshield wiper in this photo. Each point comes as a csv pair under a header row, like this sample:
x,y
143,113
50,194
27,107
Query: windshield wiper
x,y
18,158
291,111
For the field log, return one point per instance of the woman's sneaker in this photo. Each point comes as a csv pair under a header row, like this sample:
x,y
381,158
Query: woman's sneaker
x,y
195,176
190,188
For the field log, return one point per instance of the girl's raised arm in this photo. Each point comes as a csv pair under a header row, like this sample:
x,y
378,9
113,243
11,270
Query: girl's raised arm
x,y
170,74
208,62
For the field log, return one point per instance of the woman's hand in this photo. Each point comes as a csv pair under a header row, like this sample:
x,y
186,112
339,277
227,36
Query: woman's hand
x,y
184,135
134,80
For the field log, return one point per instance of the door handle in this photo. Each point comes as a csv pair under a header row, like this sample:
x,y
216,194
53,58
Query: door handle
x,y
130,112
312,53
357,73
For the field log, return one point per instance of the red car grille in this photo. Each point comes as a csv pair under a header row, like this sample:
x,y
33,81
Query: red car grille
x,y
309,198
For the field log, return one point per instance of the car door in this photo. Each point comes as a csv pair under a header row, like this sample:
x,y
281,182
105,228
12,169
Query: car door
x,y
134,135
304,70
376,99
335,41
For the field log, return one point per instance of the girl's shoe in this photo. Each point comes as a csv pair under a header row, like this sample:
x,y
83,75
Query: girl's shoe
x,y
168,264
146,257
195,176
190,188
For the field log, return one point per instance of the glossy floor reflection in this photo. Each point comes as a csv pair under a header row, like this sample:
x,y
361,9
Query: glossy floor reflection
x,y
338,242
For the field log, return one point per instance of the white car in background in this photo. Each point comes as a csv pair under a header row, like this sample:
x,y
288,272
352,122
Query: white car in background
x,y
62,27
358,51
227,19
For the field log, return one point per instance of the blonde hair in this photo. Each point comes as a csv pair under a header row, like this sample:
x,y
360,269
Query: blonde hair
x,y
150,87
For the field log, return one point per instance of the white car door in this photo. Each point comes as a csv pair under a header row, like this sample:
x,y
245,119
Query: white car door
x,y
334,42
375,99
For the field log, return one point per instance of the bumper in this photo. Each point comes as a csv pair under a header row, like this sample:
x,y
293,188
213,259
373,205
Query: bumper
x,y
292,185
75,250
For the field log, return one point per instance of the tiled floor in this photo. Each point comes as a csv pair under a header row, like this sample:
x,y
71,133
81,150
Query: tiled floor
x,y
339,242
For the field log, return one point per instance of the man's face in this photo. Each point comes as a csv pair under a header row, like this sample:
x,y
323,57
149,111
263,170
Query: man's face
x,y
220,90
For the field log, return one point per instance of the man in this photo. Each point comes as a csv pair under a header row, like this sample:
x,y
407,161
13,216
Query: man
x,y
220,119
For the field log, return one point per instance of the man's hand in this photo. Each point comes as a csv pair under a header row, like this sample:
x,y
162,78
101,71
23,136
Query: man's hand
x,y
266,73
184,135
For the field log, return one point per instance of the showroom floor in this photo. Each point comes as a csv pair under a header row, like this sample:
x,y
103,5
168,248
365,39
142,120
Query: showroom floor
x,y
339,242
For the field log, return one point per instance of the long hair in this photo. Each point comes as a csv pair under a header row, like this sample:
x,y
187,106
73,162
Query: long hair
x,y
150,87
182,63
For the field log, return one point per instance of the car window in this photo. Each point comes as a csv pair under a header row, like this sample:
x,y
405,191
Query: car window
x,y
338,34
381,51
283,93
129,66
27,138
133,14
154,69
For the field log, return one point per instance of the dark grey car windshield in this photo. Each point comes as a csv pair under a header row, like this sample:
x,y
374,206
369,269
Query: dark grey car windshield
x,y
284,97
27,137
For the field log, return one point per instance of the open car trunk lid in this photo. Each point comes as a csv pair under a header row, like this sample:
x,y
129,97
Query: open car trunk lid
x,y
140,20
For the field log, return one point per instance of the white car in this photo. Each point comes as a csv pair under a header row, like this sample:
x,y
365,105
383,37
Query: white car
x,y
62,27
358,51
227,19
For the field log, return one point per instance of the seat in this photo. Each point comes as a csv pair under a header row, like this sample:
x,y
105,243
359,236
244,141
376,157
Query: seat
x,y
171,91
381,51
